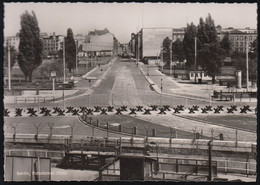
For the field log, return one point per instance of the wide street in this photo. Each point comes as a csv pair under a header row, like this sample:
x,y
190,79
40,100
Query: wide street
x,y
121,82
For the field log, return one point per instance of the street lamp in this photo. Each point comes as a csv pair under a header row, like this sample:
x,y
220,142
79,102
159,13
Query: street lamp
x,y
247,74
195,58
64,66
9,66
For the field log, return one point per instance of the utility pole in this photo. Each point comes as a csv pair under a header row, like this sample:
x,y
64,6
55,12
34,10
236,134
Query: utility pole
x,y
247,75
137,48
210,160
9,66
64,66
76,57
195,56
171,58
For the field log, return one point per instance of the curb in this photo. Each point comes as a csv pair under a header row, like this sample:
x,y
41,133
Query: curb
x,y
157,90
105,130
211,123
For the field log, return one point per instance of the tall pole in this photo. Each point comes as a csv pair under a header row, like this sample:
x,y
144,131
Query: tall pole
x,y
195,56
210,160
137,48
76,57
9,66
247,75
171,58
64,67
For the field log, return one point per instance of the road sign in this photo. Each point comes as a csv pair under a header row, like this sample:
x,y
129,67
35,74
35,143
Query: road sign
x,y
53,74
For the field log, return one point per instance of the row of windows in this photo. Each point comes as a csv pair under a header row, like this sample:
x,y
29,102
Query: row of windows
x,y
242,44
242,37
241,50
50,40
51,48
50,44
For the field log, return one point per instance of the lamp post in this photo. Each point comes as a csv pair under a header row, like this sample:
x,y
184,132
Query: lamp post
x,y
161,92
195,58
63,95
171,58
76,57
64,66
247,74
9,66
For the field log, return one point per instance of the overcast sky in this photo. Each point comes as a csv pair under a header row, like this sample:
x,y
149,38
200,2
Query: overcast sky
x,y
122,19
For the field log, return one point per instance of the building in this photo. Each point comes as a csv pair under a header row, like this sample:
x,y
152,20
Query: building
x,y
13,41
238,37
178,33
52,43
149,40
99,43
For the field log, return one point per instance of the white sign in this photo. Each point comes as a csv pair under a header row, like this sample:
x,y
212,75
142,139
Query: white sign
x,y
53,74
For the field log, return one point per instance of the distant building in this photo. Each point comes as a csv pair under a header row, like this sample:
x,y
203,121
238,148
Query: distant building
x,y
99,43
13,41
149,40
178,33
52,43
238,37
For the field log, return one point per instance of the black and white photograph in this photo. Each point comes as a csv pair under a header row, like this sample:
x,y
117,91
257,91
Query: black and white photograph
x,y
130,91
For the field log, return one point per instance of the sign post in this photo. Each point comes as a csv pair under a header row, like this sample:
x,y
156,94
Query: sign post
x,y
53,76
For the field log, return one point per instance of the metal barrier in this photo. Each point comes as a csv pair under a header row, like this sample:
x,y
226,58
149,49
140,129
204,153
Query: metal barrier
x,y
34,99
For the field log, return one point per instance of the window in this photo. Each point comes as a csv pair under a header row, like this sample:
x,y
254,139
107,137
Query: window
x,y
241,50
236,37
231,38
191,74
245,37
236,44
250,38
241,37
241,44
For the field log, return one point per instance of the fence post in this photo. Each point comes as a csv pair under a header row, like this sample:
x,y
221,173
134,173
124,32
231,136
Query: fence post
x,y
236,138
153,133
135,131
225,166
177,165
107,128
93,134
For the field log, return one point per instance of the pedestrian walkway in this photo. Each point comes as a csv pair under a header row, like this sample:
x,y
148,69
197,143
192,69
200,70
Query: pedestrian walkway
x,y
167,85
82,86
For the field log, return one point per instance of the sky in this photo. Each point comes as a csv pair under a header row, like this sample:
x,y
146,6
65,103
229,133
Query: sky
x,y
122,19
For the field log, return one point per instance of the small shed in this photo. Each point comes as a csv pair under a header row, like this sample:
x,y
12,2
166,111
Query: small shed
x,y
136,167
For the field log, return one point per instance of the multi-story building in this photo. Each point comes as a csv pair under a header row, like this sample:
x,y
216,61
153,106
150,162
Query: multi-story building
x,y
13,41
52,43
178,33
149,40
99,43
238,37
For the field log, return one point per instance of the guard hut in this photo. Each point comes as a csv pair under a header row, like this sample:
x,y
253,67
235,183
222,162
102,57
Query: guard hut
x,y
136,167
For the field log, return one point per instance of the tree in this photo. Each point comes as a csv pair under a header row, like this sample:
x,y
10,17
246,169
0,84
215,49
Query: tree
x,y
30,47
70,50
210,54
177,51
226,45
166,51
188,44
12,56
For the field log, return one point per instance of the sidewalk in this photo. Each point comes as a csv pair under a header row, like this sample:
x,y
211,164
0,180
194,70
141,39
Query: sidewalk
x,y
170,86
79,90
